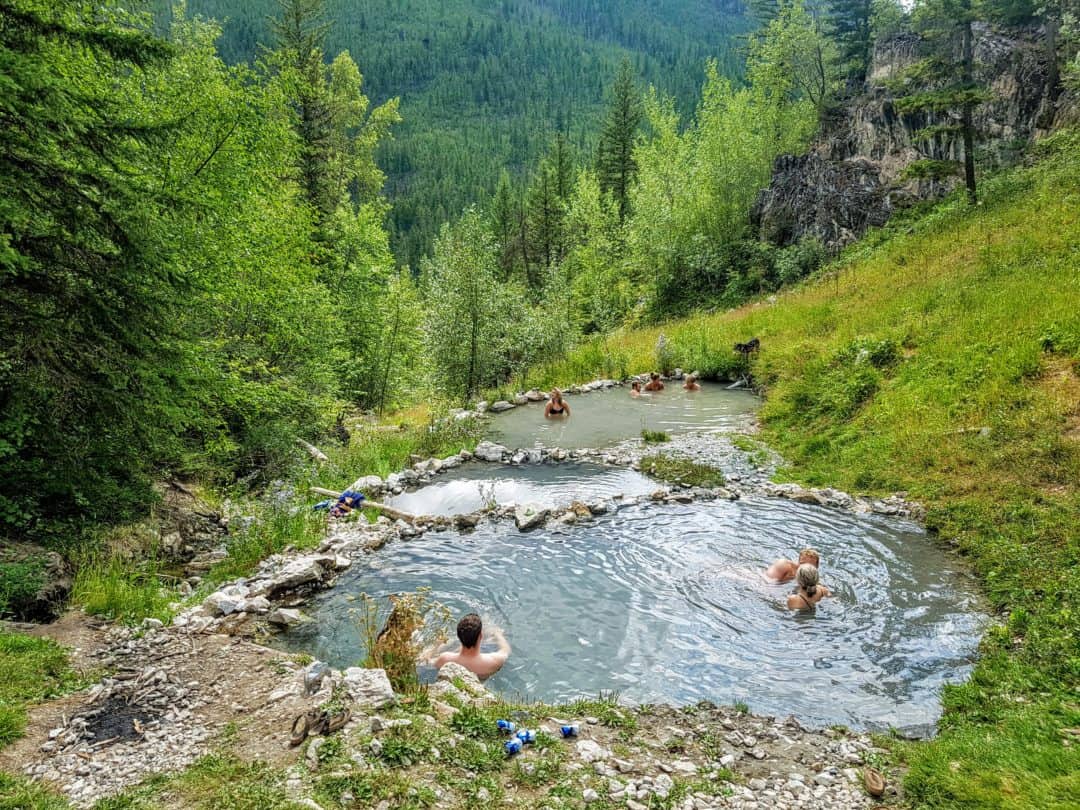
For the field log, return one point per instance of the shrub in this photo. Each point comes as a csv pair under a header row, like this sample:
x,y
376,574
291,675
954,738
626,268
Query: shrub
x,y
19,582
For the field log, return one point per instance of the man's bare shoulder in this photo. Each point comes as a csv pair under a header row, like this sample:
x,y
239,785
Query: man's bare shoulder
x,y
444,659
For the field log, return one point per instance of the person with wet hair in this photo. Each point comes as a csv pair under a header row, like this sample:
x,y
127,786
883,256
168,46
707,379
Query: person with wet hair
x,y
635,388
556,405
810,590
784,570
470,632
654,383
691,383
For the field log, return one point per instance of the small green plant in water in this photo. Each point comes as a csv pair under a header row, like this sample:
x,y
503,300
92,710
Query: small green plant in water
x,y
682,471
654,436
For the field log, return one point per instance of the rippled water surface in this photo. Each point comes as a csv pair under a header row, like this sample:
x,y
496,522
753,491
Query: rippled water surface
x,y
472,487
668,604
604,418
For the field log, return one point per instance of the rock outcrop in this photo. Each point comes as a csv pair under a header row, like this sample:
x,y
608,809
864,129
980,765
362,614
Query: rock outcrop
x,y
853,178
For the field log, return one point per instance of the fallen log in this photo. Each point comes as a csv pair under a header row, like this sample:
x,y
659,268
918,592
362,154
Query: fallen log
x,y
313,451
389,511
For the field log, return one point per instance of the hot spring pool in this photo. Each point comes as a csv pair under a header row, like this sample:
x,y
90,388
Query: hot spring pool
x,y
603,418
667,604
472,487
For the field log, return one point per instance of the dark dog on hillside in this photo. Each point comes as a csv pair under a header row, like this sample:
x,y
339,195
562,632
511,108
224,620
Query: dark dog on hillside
x,y
748,348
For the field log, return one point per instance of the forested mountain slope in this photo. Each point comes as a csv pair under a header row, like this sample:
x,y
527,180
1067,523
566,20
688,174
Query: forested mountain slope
x,y
485,85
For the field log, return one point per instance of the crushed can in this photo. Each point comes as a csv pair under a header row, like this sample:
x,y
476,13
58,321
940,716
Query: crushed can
x,y
570,731
527,735
505,726
512,747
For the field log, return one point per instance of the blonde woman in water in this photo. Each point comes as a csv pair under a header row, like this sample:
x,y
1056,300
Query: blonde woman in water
x,y
810,591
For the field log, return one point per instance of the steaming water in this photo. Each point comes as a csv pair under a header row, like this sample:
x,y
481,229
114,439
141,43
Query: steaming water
x,y
668,604
469,488
604,418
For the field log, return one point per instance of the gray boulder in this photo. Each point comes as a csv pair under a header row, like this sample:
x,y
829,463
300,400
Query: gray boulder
x,y
501,405
303,572
529,516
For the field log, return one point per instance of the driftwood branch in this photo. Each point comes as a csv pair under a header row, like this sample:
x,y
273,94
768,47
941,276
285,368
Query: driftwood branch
x,y
313,451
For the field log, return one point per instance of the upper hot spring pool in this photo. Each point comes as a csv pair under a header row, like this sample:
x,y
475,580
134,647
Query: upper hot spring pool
x,y
668,604
604,418
474,486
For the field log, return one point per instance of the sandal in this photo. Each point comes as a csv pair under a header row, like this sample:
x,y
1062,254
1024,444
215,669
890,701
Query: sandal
x,y
874,782
302,726
337,722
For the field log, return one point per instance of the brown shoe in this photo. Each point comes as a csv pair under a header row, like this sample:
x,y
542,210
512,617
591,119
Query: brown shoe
x,y
874,782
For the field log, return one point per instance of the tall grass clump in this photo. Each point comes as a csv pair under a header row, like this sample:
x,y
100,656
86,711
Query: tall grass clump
x,y
415,625
270,531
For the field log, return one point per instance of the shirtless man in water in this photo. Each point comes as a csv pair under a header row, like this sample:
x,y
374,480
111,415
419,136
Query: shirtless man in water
x,y
784,570
654,383
470,633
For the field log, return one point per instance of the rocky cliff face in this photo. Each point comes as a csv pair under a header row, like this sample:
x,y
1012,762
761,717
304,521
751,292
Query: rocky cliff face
x,y
852,178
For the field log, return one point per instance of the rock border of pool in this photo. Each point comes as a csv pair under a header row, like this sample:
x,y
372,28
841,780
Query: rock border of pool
x,y
753,761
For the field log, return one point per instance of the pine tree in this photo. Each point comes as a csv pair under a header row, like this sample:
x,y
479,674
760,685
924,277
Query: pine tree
x,y
945,89
615,154
544,211
301,35
89,298
504,223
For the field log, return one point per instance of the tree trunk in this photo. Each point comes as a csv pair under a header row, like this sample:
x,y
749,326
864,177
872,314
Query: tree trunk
x,y
966,125
1053,77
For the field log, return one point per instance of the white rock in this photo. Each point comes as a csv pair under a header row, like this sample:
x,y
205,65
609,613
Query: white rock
x,y
487,451
286,617
260,604
369,688
368,483
501,405
221,604
589,796
591,751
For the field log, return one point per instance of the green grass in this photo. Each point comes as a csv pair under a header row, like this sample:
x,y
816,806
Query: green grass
x,y
32,669
19,794
654,436
682,471
879,374
218,781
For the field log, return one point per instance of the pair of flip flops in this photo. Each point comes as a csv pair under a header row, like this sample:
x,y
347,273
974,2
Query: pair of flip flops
x,y
317,721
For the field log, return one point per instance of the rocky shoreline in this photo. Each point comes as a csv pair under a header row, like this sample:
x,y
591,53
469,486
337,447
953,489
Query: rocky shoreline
x,y
159,710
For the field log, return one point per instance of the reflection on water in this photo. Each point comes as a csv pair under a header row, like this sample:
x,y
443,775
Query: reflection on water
x,y
604,418
667,604
474,486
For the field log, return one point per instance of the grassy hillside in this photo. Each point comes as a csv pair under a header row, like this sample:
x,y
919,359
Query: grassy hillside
x,y
485,85
942,357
